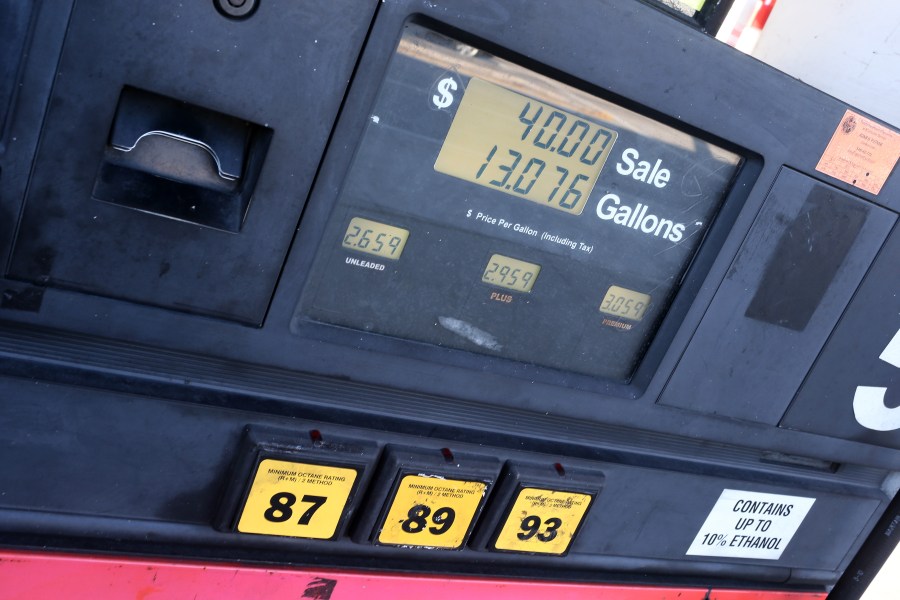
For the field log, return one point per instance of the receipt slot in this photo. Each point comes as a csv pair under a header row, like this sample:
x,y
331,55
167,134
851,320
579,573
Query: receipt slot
x,y
180,161
413,286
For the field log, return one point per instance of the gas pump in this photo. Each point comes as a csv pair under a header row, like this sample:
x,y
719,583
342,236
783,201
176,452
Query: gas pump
x,y
473,298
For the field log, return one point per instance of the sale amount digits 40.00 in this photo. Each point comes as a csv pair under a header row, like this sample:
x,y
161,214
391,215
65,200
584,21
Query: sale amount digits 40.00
x,y
505,141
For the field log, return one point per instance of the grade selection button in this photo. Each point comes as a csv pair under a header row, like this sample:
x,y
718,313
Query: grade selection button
x,y
542,521
428,498
297,499
539,508
432,512
298,484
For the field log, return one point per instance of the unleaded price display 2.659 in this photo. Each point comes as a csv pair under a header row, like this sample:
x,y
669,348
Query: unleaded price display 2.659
x,y
296,499
543,521
376,238
432,512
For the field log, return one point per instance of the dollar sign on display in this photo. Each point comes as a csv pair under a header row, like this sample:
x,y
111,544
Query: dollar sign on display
x,y
444,87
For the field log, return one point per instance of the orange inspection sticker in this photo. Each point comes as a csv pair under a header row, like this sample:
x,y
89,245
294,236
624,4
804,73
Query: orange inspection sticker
x,y
543,521
432,512
297,499
861,152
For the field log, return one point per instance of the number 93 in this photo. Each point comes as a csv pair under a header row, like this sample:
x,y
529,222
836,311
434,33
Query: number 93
x,y
531,526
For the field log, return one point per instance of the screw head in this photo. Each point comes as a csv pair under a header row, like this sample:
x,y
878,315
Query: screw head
x,y
236,9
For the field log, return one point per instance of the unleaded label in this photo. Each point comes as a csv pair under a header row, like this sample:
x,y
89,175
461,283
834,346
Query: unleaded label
x,y
750,525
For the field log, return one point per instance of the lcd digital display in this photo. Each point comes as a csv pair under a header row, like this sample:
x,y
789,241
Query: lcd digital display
x,y
504,213
525,148
628,304
510,273
375,238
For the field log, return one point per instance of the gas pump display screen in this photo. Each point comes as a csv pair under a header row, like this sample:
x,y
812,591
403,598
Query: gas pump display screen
x,y
491,209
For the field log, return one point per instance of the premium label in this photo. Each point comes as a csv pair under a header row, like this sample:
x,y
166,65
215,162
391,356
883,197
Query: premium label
x,y
542,521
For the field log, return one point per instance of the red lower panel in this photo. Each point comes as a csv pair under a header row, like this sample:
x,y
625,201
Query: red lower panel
x,y
36,576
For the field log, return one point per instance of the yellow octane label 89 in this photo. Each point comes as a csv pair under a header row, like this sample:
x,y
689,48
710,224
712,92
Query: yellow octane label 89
x,y
296,499
431,512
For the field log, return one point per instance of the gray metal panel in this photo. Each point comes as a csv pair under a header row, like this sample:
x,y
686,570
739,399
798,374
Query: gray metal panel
x,y
808,250
81,453
643,512
17,16
192,54
851,359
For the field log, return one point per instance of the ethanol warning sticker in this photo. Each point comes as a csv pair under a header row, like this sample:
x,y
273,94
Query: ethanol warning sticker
x,y
542,521
750,525
432,512
296,499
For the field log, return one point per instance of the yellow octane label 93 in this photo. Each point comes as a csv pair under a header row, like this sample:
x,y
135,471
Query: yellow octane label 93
x,y
542,521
